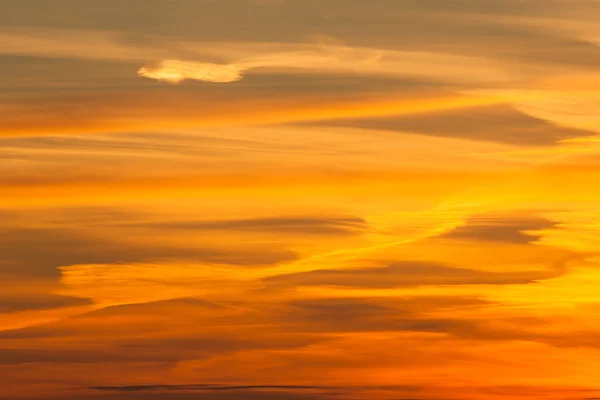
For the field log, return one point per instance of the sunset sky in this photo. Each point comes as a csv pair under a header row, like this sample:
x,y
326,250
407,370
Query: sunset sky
x,y
299,199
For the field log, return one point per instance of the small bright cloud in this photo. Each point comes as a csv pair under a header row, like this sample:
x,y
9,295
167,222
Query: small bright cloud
x,y
174,71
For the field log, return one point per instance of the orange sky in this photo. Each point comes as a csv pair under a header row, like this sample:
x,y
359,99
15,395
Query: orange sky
x,y
299,200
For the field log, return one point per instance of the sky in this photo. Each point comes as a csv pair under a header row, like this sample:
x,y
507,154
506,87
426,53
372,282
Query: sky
x,y
299,200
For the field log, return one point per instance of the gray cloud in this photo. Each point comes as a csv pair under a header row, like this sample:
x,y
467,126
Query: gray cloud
x,y
487,28
291,20
55,247
205,387
498,124
173,395
413,315
372,315
407,273
268,390
37,301
126,342
77,325
297,225
132,349
500,229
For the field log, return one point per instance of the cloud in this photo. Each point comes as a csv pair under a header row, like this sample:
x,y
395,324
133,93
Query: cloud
x,y
12,302
57,247
175,71
456,27
407,273
175,395
238,57
210,392
276,225
409,314
280,391
125,320
206,387
73,44
17,356
519,230
159,332
501,123
333,59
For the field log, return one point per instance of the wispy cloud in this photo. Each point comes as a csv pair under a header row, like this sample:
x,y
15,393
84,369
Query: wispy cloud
x,y
240,57
334,59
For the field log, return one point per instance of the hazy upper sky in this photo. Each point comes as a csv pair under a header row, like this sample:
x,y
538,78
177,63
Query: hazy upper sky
x,y
299,199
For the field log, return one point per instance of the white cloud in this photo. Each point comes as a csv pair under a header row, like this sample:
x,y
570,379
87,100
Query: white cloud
x,y
175,71
331,59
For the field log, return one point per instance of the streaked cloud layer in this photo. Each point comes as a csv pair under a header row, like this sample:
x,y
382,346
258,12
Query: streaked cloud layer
x,y
299,200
